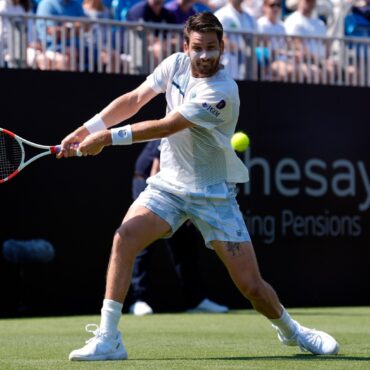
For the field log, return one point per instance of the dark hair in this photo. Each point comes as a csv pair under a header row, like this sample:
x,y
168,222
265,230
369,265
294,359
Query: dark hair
x,y
203,22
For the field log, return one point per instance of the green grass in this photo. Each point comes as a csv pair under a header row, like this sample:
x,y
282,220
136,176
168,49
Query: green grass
x,y
237,340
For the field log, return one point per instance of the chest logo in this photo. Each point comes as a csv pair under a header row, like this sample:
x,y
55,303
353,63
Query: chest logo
x,y
211,109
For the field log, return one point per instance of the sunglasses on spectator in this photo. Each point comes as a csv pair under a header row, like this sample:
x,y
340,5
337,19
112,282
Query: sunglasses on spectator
x,y
274,5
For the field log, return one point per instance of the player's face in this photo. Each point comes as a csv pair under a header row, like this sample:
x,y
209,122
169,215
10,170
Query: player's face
x,y
205,52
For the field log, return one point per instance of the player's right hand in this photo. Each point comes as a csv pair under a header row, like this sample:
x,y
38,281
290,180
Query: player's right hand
x,y
71,142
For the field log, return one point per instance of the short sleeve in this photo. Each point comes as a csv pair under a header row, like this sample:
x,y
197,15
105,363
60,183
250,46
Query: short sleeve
x,y
159,78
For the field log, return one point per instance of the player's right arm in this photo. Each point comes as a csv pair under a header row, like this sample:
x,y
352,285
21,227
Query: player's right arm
x,y
120,109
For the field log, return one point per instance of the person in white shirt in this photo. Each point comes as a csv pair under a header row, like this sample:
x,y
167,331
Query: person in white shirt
x,y
271,49
7,42
309,53
237,51
196,181
270,22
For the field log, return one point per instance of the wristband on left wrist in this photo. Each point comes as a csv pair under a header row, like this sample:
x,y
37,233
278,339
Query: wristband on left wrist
x,y
121,135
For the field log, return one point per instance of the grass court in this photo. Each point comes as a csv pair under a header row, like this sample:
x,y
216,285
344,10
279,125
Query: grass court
x,y
240,339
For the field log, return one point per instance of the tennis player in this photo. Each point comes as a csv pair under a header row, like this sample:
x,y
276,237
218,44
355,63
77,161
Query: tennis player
x,y
197,180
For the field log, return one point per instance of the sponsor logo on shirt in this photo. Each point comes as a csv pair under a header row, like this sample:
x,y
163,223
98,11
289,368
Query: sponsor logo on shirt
x,y
221,104
211,109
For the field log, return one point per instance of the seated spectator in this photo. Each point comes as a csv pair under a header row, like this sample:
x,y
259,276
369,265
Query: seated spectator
x,y
307,55
271,51
152,11
324,9
238,52
121,7
51,32
96,10
181,9
253,7
357,22
12,52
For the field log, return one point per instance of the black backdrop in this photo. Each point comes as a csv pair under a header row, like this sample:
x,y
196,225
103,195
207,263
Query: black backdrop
x,y
306,205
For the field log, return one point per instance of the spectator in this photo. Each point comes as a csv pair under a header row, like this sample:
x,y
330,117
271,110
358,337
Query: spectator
x,y
48,30
181,247
324,9
309,53
152,11
253,7
270,22
181,9
271,55
13,55
96,10
237,51
357,22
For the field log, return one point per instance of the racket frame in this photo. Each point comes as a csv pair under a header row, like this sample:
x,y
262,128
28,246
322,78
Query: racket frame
x,y
54,149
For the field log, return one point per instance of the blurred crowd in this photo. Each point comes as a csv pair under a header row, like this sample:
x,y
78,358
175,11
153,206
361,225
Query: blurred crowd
x,y
308,18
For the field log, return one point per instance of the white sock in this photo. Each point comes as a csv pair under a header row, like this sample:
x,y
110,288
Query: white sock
x,y
110,315
286,324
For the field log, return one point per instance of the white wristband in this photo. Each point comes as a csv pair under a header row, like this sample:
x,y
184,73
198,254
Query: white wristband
x,y
121,135
95,124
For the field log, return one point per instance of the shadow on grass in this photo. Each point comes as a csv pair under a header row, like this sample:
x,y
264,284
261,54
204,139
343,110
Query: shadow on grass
x,y
298,357
295,313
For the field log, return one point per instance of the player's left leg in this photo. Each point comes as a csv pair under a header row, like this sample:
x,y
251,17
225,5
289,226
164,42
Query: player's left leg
x,y
240,260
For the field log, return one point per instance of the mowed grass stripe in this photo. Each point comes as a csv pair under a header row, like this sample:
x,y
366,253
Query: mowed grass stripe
x,y
237,340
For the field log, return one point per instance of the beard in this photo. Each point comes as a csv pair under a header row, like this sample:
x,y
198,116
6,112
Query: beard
x,y
205,67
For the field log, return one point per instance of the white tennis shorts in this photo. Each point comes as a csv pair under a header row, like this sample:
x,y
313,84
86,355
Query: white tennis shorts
x,y
216,219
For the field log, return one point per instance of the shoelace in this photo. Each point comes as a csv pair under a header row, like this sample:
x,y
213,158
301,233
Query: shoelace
x,y
95,332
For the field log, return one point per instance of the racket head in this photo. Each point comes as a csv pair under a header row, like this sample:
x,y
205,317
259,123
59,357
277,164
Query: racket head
x,y
11,155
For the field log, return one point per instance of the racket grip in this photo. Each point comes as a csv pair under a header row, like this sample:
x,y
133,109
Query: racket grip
x,y
57,148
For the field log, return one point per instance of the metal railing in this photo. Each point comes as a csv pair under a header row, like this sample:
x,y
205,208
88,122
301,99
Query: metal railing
x,y
106,46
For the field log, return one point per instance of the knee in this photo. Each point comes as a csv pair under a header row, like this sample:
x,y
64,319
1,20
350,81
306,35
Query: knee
x,y
122,245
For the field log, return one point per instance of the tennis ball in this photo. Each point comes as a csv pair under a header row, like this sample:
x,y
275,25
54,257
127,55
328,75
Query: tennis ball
x,y
240,141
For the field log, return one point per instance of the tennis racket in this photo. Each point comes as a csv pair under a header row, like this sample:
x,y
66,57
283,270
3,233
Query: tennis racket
x,y
13,154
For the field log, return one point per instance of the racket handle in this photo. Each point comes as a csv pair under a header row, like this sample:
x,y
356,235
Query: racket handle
x,y
57,148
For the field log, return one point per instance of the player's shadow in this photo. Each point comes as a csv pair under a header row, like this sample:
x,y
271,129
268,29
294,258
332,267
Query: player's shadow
x,y
297,357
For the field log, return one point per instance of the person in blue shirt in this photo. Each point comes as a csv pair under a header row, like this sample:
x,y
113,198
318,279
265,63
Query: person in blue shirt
x,y
152,11
48,30
181,9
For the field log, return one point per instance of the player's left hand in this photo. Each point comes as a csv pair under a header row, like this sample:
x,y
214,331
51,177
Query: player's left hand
x,y
95,143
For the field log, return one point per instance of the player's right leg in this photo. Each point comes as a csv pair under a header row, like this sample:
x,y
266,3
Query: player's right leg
x,y
139,228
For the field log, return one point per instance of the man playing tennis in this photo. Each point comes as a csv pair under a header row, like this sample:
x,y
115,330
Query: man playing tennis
x,y
197,180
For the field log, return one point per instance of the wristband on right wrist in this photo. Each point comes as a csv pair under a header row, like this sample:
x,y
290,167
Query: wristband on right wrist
x,y
95,124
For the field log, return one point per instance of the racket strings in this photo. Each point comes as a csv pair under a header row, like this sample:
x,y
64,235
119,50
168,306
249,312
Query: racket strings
x,y
10,155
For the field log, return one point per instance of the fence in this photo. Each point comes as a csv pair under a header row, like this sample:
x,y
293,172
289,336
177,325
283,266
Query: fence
x,y
80,44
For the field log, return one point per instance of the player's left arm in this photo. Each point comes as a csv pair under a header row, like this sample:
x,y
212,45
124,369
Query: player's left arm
x,y
140,132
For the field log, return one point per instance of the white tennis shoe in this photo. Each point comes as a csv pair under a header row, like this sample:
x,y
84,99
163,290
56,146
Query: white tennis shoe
x,y
310,340
209,306
140,308
101,347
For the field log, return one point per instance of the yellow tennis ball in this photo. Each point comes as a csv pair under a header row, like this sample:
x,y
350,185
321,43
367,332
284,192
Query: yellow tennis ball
x,y
240,141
